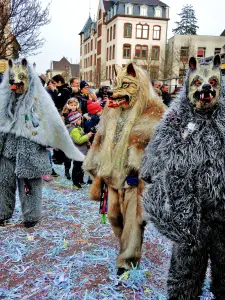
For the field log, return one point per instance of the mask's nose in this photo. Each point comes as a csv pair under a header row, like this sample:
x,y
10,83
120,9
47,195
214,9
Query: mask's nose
x,y
206,86
11,81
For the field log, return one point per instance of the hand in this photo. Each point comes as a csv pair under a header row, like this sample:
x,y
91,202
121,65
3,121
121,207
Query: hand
x,y
89,144
74,89
90,134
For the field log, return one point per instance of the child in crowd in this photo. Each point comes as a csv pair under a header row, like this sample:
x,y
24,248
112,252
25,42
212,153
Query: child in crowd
x,y
69,110
93,116
82,142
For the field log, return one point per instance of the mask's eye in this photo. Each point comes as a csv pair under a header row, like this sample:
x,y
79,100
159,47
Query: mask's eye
x,y
198,82
21,76
125,85
213,82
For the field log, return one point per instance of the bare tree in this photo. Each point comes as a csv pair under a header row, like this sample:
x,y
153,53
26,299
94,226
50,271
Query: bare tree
x,y
20,23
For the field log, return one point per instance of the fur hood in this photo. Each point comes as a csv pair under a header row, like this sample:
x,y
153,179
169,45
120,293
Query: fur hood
x,y
184,165
35,116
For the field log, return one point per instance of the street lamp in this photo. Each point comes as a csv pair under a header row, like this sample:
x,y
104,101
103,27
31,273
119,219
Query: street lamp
x,y
34,65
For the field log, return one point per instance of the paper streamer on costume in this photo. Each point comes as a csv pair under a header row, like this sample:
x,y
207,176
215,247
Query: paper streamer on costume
x,y
35,117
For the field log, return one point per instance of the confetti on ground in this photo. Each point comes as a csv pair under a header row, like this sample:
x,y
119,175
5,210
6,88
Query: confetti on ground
x,y
70,255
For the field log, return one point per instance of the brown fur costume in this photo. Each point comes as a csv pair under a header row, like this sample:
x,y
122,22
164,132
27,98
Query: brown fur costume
x,y
116,153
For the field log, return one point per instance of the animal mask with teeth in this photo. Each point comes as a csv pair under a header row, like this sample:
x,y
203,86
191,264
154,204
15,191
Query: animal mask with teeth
x,y
18,76
204,83
125,89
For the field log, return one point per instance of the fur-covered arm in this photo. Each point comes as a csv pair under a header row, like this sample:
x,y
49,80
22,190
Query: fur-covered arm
x,y
159,151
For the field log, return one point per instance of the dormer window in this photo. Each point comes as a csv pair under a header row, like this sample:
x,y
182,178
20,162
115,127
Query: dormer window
x,y
128,9
114,10
144,10
158,12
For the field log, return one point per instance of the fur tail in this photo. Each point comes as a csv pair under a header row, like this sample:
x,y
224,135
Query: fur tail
x,y
95,191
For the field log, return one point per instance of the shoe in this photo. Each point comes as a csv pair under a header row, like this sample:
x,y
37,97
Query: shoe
x,y
47,178
121,271
67,174
54,174
29,224
77,186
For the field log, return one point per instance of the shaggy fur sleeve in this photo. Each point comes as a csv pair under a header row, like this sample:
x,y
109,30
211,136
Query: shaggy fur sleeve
x,y
159,151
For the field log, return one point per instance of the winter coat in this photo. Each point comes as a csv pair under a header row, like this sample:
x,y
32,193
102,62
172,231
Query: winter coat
x,y
83,99
60,98
90,124
80,138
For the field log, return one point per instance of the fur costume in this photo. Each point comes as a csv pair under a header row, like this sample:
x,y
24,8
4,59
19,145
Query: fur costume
x,y
184,166
125,128
29,121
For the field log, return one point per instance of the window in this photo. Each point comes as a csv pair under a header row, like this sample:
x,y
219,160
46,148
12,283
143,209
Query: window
x,y
95,60
156,32
128,9
90,75
182,72
142,31
114,31
217,51
107,35
109,72
141,51
91,60
110,33
154,72
201,52
99,30
107,76
184,53
91,45
99,14
107,54
110,53
113,54
155,52
126,51
144,10
99,47
113,71
127,33
158,12
114,10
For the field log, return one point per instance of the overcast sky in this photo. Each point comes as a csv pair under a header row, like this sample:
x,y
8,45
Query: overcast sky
x,y
69,16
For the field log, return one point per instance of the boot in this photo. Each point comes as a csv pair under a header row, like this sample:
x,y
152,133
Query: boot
x,y
67,174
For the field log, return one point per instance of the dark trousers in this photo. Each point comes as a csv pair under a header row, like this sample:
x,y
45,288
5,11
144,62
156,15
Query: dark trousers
x,y
188,265
77,172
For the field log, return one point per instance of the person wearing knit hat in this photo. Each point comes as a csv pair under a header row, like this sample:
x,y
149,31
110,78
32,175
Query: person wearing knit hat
x,y
74,116
94,108
84,84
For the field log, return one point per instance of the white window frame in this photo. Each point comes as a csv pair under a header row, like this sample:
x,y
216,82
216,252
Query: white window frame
x,y
128,7
158,12
144,10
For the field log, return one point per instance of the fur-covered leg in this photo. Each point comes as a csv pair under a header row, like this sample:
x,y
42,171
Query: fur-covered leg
x,y
217,256
187,272
114,213
7,188
31,204
132,236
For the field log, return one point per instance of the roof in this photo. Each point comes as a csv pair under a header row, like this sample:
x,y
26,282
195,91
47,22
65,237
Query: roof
x,y
61,66
147,2
223,33
87,25
108,4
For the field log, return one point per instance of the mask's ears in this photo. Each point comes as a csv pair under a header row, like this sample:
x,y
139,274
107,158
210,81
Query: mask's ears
x,y
117,69
216,61
130,70
10,63
24,63
192,63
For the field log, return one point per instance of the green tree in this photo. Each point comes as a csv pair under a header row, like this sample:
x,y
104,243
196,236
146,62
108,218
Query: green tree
x,y
187,24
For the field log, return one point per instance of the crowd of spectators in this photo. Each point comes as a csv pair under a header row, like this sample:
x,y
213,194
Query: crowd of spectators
x,y
80,109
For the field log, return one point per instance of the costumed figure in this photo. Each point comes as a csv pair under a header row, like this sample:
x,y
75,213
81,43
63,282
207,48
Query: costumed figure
x,y
29,122
126,126
184,166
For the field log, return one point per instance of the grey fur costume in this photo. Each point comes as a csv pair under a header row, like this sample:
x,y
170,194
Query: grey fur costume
x,y
184,166
28,123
